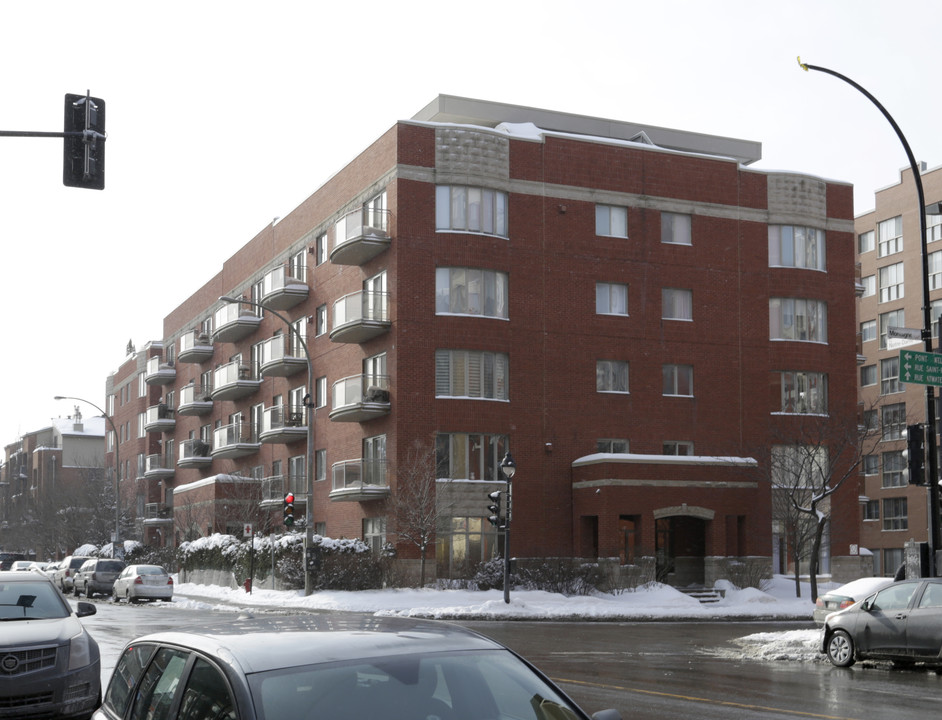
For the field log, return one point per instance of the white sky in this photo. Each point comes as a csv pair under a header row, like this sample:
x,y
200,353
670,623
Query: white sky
x,y
224,115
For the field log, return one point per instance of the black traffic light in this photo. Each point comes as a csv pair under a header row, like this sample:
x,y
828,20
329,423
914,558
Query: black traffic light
x,y
915,454
495,517
289,509
83,157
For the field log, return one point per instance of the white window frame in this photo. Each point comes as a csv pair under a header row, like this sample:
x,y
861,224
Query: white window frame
x,y
676,229
472,374
798,319
677,447
618,446
869,284
796,246
890,234
465,208
892,285
611,376
865,242
611,221
471,291
676,304
804,393
677,380
611,298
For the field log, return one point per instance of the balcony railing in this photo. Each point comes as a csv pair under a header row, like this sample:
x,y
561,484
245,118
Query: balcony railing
x,y
195,400
159,418
359,480
234,380
158,466
196,346
360,316
360,236
282,356
275,487
158,372
235,440
194,453
284,287
360,397
158,512
282,424
234,321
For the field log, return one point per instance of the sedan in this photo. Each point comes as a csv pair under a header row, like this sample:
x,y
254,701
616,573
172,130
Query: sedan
x,y
50,666
847,595
142,582
342,667
902,623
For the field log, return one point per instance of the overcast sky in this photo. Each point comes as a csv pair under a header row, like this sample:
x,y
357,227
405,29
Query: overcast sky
x,y
224,115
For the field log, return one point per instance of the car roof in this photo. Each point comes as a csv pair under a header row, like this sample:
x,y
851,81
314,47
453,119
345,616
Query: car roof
x,y
268,643
20,576
861,586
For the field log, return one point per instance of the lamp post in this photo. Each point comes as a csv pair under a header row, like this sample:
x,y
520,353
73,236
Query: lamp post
x,y
309,463
932,461
117,549
508,467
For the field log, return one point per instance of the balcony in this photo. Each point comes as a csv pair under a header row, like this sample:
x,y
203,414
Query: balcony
x,y
282,356
359,480
360,316
159,418
196,346
233,381
284,287
235,441
158,467
360,398
158,514
282,424
232,322
157,372
194,453
195,400
275,487
359,236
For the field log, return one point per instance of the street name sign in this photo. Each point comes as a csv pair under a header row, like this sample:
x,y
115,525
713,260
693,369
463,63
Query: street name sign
x,y
898,337
922,368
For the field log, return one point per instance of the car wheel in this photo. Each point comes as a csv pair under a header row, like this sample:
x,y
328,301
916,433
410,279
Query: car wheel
x,y
89,593
75,590
841,649
114,596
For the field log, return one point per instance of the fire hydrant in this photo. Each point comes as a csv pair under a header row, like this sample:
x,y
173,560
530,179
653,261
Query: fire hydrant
x,y
248,585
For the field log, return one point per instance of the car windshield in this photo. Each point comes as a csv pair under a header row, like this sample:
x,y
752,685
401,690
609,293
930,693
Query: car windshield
x,y
478,684
30,601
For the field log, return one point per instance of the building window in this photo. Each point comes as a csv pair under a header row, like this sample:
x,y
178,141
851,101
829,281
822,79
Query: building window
x,y
675,229
891,282
893,419
470,209
933,228
297,471
893,466
868,330
678,380
320,465
890,236
935,269
889,376
611,299
804,392
865,242
471,374
798,319
464,543
320,392
871,510
895,514
611,221
797,247
799,466
469,456
320,249
609,445
868,375
676,304
677,447
894,318
321,319
869,284
374,533
471,291
141,419
871,421
871,465
611,376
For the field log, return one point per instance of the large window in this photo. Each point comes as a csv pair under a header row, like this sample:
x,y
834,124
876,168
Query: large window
x,y
893,421
865,242
804,392
869,285
868,330
471,374
868,375
889,376
471,291
470,209
678,380
797,247
871,510
675,229
611,299
895,514
890,234
798,319
611,376
611,445
935,270
611,220
469,456
893,466
933,228
676,304
891,282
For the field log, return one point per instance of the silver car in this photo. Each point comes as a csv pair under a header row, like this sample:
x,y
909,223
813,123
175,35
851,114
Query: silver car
x,y
142,582
96,576
65,573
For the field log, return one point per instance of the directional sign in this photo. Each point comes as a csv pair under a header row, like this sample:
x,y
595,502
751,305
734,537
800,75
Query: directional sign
x,y
922,368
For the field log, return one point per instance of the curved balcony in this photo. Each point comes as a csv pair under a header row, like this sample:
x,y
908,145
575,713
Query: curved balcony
x,y
282,424
359,398
235,441
281,290
157,514
157,372
195,400
360,316
275,487
282,356
196,346
194,453
232,322
359,236
158,467
159,418
233,381
359,480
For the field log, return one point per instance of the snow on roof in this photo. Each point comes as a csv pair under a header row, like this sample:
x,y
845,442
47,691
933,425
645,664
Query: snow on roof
x,y
637,458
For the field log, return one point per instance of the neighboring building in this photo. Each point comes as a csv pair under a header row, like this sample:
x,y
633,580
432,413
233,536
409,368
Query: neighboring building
x,y
595,296
889,252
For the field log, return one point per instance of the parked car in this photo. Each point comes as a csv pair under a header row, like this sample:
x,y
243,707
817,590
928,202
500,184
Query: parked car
x,y
19,565
902,622
96,576
65,573
342,667
847,595
50,667
51,569
8,558
142,582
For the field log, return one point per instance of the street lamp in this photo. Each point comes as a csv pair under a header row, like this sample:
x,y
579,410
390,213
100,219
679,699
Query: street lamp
x,y
508,467
309,405
932,460
117,548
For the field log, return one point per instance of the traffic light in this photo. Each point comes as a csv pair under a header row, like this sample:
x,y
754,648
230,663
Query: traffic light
x,y
915,454
495,518
83,157
289,509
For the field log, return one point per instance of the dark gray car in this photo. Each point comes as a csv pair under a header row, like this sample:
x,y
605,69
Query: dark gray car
x,y
96,576
902,623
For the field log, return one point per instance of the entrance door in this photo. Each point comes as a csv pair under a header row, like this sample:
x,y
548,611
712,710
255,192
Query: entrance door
x,y
680,551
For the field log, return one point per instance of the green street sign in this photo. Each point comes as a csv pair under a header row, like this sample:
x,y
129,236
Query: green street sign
x,y
922,368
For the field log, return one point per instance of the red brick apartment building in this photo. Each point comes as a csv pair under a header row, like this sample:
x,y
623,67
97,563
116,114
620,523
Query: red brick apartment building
x,y
594,296
889,252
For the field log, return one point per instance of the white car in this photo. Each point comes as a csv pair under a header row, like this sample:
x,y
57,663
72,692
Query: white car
x,y
847,595
21,565
142,582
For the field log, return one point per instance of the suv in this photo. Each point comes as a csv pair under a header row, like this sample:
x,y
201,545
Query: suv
x,y
8,558
96,576
66,571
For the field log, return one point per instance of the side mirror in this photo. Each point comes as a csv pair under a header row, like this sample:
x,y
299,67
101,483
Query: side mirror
x,y
85,609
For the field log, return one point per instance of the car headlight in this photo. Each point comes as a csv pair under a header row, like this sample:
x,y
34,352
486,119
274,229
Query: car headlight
x,y
80,651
